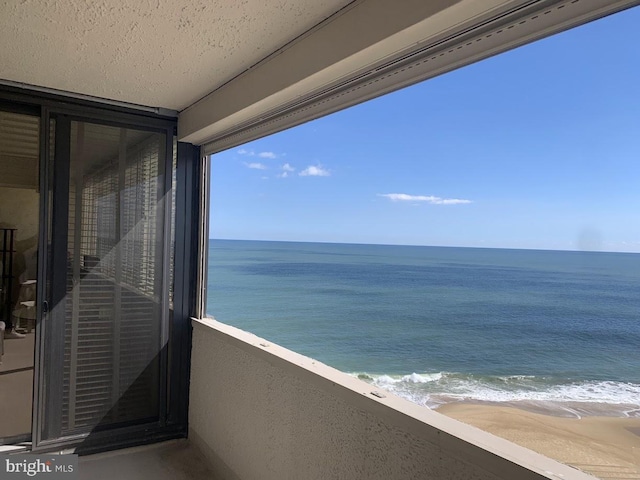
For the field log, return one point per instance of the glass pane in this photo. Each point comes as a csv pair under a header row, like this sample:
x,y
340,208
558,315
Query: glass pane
x,y
19,229
114,278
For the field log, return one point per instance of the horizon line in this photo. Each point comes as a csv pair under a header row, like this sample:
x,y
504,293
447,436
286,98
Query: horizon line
x,y
540,249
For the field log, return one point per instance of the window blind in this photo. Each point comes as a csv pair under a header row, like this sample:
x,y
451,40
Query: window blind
x,y
114,278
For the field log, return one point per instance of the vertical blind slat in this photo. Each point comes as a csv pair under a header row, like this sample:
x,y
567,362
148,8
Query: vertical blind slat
x,y
113,317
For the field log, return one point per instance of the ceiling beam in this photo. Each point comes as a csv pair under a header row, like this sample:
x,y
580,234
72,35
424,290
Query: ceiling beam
x,y
334,49
370,48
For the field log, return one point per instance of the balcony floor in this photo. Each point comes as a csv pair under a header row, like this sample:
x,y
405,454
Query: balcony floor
x,y
172,460
16,386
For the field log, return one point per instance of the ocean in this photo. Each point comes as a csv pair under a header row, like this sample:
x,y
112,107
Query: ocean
x,y
556,332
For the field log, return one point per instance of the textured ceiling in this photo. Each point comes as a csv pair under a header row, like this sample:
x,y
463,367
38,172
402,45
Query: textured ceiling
x,y
163,53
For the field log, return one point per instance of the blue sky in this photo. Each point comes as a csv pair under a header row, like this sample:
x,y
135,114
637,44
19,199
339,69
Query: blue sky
x,y
536,148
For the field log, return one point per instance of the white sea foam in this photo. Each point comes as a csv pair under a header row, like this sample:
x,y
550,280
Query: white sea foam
x,y
605,392
434,389
412,378
424,378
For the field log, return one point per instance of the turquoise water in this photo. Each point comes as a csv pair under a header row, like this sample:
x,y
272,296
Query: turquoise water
x,y
546,330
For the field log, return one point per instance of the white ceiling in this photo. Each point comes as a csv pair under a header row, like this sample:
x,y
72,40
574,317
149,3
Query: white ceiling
x,y
237,70
161,53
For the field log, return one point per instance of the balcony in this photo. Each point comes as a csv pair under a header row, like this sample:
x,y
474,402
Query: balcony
x,y
260,411
172,460
16,384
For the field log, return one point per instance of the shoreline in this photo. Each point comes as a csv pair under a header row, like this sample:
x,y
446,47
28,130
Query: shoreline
x,y
561,409
606,447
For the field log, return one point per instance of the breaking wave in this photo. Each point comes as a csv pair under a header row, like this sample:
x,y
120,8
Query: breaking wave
x,y
550,395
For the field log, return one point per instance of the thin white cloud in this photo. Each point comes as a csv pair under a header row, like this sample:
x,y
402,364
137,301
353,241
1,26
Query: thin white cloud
x,y
283,175
288,168
251,153
315,171
431,199
256,165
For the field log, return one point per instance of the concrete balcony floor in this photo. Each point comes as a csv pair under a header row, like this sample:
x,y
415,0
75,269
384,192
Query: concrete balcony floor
x,y
176,459
172,460
16,386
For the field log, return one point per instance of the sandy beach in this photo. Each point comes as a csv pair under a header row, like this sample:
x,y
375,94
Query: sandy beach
x,y
606,447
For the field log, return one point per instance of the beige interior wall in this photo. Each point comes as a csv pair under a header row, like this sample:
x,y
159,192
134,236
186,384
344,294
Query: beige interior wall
x,y
261,412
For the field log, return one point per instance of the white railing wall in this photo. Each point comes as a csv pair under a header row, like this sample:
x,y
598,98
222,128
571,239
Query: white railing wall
x,y
261,412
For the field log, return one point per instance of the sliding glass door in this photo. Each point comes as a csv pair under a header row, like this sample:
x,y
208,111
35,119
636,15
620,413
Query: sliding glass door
x,y
19,230
105,335
96,341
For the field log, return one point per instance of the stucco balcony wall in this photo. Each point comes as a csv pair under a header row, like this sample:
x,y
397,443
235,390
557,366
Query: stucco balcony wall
x,y
260,412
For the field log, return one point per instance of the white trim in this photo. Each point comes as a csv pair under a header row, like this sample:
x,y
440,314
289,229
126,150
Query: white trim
x,y
5,449
525,22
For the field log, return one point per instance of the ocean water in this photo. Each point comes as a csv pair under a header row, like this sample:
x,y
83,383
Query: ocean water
x,y
550,331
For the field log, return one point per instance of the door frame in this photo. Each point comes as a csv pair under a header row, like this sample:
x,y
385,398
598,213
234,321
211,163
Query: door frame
x,y
48,395
33,111
176,332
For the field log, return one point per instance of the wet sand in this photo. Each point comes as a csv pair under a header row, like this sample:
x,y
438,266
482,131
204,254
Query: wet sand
x,y
606,447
